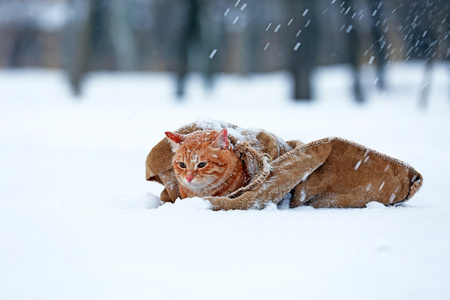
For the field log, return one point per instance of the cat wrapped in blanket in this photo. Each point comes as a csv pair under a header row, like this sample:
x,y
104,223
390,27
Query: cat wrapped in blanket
x,y
237,168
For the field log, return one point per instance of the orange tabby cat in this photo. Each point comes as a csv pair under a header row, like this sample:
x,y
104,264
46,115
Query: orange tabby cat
x,y
205,164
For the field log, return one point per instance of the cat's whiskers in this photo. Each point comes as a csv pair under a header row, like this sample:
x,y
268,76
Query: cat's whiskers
x,y
205,164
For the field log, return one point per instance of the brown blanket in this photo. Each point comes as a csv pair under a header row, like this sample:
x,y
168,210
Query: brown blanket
x,y
330,172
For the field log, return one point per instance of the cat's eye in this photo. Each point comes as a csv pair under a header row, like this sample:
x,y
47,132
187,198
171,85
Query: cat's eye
x,y
182,165
201,165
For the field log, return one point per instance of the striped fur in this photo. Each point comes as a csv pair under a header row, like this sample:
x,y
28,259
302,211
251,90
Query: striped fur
x,y
205,164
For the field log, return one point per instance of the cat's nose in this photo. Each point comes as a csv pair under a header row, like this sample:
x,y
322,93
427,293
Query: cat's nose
x,y
189,178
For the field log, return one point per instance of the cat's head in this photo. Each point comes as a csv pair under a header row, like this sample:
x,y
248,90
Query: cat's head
x,y
201,158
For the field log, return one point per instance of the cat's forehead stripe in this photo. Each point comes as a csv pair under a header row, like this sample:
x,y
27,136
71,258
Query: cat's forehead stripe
x,y
197,141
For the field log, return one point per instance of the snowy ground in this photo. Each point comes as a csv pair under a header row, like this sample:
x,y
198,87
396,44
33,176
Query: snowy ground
x,y
79,221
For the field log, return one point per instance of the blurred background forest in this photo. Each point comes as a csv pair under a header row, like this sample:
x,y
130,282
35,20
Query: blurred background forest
x,y
222,36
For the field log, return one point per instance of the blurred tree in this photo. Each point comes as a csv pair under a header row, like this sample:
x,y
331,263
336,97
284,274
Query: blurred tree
x,y
25,45
121,34
188,38
428,31
379,40
23,34
354,47
303,54
100,33
212,37
78,43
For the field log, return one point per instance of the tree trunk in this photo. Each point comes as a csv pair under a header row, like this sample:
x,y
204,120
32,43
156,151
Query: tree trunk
x,y
303,56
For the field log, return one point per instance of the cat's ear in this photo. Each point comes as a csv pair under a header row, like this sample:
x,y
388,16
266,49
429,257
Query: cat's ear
x,y
221,141
175,139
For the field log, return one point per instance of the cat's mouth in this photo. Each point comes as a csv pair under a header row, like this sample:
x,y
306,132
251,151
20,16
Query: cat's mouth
x,y
194,184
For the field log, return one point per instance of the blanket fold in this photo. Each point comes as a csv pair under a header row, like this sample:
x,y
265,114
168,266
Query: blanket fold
x,y
331,172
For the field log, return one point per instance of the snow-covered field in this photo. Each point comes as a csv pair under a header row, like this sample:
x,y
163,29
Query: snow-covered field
x,y
79,221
